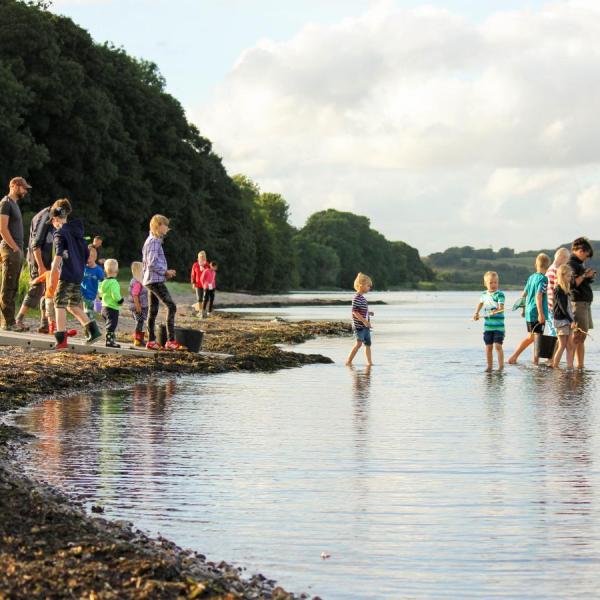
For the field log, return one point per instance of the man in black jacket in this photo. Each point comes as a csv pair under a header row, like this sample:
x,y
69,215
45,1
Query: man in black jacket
x,y
39,259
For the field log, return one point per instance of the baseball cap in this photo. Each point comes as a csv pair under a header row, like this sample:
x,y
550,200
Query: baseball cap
x,y
20,181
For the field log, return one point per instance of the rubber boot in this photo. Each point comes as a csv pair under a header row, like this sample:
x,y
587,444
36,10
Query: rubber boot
x,y
137,339
61,340
52,327
110,340
44,327
92,332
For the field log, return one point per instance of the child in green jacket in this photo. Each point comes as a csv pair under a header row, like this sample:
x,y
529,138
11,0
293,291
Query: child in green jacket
x,y
110,292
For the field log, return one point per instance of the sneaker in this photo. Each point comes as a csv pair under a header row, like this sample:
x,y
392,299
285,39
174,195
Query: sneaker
x,y
71,332
43,328
14,327
20,326
153,346
174,345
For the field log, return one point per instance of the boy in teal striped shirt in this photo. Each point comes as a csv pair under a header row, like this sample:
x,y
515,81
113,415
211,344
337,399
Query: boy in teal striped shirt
x,y
492,303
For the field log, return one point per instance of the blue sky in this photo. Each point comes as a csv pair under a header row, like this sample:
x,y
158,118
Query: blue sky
x,y
447,123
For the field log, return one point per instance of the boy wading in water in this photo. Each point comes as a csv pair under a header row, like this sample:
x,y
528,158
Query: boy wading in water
x,y
536,306
361,324
492,303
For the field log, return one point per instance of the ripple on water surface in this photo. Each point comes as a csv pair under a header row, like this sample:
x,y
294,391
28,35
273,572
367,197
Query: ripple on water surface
x,y
423,477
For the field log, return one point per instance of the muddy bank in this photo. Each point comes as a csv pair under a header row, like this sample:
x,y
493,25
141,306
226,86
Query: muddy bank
x,y
49,547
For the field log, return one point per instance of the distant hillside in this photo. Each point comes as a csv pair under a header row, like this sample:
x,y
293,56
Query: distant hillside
x,y
464,267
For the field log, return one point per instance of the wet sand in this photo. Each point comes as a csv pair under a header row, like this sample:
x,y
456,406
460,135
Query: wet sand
x,y
49,546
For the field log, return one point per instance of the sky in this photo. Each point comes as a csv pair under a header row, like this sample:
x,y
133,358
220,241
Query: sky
x,y
447,123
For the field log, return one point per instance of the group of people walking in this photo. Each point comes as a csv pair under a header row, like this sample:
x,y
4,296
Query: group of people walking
x,y
67,274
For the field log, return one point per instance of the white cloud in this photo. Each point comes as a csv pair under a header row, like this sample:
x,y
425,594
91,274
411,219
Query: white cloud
x,y
443,130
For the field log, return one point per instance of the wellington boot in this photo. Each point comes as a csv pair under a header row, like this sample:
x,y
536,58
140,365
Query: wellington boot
x,y
92,332
138,339
61,340
110,340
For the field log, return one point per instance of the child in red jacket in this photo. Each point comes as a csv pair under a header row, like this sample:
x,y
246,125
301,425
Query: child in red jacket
x,y
209,284
197,269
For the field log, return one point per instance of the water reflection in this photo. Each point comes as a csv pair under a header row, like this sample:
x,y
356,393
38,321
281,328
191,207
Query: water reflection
x,y
423,477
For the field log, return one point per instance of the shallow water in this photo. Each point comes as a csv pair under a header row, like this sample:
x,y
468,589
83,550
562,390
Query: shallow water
x,y
423,477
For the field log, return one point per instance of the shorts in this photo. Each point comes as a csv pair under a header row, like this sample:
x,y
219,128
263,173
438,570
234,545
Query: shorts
x,y
67,294
363,335
583,315
562,328
535,327
493,337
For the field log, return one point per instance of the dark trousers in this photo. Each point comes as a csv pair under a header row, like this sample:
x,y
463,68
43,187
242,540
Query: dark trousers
x,y
36,291
111,319
158,292
199,295
10,270
140,319
209,298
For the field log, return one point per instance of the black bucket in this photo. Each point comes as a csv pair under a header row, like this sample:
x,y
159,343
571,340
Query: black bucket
x,y
190,338
544,346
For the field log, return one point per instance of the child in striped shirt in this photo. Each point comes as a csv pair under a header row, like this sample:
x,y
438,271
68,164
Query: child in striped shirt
x,y
492,303
361,325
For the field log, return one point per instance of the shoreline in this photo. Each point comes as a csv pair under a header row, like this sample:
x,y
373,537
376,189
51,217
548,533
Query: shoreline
x,y
50,545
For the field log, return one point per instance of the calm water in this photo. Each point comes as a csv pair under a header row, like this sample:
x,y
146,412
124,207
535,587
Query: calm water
x,y
423,477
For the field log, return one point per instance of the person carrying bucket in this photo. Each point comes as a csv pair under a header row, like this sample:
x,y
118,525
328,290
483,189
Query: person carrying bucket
x,y
536,307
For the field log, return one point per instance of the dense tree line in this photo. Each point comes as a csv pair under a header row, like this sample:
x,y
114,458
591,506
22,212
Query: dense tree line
x,y
88,122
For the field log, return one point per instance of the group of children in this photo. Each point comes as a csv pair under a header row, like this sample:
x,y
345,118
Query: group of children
x,y
76,283
558,295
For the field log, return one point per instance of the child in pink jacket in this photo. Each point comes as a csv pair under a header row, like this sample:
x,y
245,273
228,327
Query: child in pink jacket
x,y
208,278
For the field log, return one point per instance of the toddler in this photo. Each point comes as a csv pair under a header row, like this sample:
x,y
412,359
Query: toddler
x,y
138,302
93,274
110,291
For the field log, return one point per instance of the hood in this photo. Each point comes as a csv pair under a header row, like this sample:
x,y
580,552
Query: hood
x,y
74,227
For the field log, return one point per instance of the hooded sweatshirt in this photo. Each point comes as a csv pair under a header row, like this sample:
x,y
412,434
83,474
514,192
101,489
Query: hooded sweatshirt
x,y
69,243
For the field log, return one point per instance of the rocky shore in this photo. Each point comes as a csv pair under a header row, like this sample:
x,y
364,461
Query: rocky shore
x,y
49,546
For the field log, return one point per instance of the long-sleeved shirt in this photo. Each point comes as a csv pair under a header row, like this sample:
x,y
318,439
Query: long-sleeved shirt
x,y
154,261
110,291
209,279
196,275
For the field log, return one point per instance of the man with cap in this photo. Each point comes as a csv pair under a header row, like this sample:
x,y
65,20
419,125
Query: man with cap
x,y
11,252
